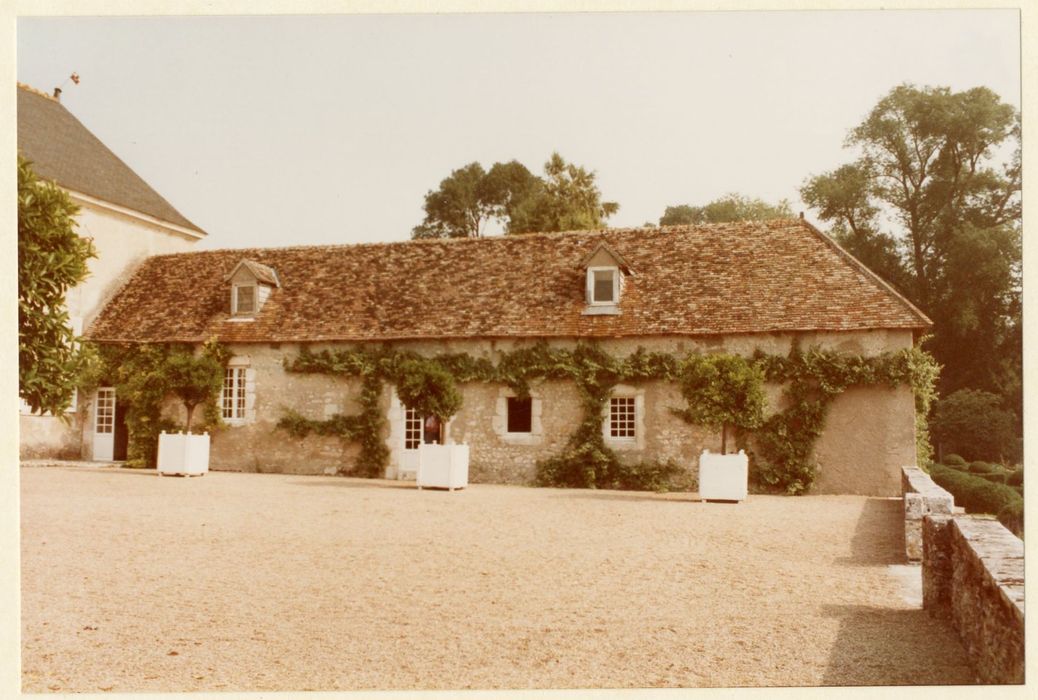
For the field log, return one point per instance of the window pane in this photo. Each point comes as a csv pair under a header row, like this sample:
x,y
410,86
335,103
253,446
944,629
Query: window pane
x,y
603,285
520,415
246,300
621,417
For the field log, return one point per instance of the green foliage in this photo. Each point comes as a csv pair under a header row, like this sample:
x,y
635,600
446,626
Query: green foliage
x,y
428,388
811,381
722,391
933,205
977,495
785,440
566,198
979,467
731,207
954,460
974,424
51,260
144,376
1015,477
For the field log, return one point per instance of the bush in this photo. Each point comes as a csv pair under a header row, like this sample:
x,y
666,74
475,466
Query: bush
x,y
973,423
1012,516
591,468
954,460
994,477
1015,478
977,495
985,468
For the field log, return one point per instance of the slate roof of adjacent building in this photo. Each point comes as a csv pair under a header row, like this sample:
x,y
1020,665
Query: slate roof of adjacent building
x,y
750,277
64,151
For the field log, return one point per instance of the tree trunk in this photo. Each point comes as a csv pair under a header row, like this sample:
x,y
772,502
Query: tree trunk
x,y
190,411
724,439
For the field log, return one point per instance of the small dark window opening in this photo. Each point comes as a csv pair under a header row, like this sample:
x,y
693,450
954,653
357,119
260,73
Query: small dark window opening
x,y
520,415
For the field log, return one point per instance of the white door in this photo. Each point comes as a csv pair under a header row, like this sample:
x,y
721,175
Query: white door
x,y
104,424
416,431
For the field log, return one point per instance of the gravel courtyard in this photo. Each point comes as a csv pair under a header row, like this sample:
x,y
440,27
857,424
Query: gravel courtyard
x,y
132,582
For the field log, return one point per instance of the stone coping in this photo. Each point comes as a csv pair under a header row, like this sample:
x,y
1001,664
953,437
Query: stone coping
x,y
999,551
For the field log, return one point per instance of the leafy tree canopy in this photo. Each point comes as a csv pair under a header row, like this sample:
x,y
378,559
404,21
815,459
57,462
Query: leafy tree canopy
x,y
566,198
973,424
932,204
52,259
731,207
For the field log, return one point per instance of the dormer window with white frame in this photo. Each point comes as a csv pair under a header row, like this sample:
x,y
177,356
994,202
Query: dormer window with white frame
x,y
605,272
251,284
603,286
243,300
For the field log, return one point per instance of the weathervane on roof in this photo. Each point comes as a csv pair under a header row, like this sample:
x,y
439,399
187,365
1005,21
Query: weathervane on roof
x,y
74,78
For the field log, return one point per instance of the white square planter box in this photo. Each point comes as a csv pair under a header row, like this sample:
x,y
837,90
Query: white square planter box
x,y
443,466
183,454
723,477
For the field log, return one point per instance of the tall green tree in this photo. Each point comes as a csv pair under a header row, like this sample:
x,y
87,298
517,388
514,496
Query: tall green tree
x,y
52,259
731,207
932,203
566,198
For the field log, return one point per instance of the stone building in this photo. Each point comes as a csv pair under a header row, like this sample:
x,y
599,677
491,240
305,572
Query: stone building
x,y
732,288
127,220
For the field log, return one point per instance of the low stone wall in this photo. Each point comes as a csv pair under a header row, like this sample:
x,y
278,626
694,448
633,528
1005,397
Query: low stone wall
x,y
973,576
922,497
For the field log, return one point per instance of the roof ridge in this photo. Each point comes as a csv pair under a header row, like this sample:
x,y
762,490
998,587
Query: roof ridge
x,y
502,238
41,93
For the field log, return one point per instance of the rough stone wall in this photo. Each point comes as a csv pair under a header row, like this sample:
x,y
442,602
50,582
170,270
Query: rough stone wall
x,y
257,446
868,436
973,576
922,497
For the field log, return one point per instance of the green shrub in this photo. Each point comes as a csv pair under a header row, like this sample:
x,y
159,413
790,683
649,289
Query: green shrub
x,y
985,468
1012,516
998,477
976,494
1015,477
954,460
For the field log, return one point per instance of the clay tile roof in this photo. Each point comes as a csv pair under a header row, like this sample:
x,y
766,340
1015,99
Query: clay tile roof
x,y
261,272
63,150
748,277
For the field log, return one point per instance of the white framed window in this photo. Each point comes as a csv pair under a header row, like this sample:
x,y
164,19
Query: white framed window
x,y
603,286
622,418
243,299
232,398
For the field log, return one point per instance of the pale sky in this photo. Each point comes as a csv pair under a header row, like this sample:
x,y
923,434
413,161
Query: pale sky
x,y
272,131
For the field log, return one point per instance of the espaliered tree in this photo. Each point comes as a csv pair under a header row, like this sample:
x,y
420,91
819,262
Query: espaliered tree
x,y
52,259
722,392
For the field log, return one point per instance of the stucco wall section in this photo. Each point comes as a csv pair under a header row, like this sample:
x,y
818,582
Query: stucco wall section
x,y
48,437
869,435
122,242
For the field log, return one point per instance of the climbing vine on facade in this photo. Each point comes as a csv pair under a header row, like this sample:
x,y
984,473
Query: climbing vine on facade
x,y
785,440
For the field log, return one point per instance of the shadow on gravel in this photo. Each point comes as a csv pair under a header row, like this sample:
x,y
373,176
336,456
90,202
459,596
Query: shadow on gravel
x,y
622,496
879,646
357,484
879,534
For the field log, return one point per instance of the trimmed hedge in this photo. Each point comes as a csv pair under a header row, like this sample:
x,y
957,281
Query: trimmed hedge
x,y
954,460
985,468
978,495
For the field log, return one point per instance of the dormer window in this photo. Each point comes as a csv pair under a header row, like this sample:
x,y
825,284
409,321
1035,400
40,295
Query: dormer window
x,y
244,300
251,285
605,270
603,285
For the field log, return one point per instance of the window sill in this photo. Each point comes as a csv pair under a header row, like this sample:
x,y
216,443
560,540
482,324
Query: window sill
x,y
242,319
604,310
